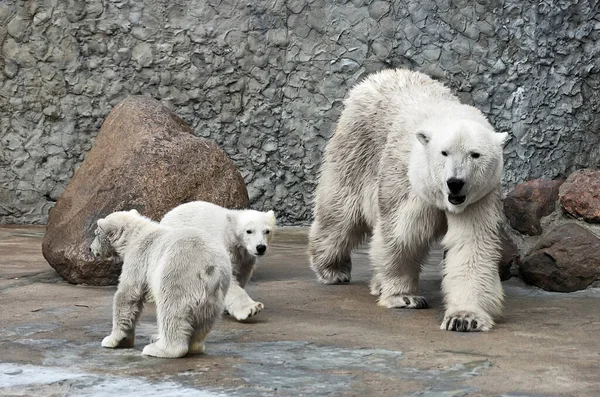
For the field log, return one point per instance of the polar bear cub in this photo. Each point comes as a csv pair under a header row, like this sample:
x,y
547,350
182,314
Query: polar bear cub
x,y
246,235
408,164
186,270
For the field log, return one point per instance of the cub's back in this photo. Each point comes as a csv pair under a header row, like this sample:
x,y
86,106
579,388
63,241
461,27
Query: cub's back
x,y
203,215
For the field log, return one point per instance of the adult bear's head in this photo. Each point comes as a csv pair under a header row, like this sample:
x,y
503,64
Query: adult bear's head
x,y
456,161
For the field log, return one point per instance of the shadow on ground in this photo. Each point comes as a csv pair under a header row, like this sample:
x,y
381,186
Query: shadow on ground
x,y
311,340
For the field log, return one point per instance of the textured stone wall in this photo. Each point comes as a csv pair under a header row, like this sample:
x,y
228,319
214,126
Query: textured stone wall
x,y
266,80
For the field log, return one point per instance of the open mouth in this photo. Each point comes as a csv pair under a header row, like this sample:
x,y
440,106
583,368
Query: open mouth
x,y
260,253
456,199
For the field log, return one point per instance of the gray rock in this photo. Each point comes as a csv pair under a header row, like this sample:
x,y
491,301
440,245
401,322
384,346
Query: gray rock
x,y
289,65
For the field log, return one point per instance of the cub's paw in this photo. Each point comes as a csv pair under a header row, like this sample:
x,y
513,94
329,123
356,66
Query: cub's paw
x,y
466,321
244,310
155,350
196,348
400,301
114,341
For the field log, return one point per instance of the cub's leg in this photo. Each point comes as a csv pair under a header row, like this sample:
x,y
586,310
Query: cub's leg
x,y
173,315
127,306
239,304
197,342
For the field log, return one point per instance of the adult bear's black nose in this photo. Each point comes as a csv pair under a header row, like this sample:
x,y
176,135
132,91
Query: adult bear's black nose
x,y
455,185
261,249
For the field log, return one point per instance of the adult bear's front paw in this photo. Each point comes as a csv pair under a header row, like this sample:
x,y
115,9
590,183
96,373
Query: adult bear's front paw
x,y
329,276
466,321
401,301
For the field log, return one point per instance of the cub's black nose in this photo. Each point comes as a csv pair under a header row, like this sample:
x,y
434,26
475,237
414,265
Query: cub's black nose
x,y
455,185
261,249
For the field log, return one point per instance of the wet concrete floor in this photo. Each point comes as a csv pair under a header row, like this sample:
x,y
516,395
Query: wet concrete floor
x,y
311,339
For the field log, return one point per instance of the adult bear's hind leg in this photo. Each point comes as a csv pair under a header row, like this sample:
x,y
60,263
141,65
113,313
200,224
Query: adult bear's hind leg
x,y
338,228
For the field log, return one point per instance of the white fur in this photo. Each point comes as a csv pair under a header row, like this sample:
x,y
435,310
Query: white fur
x,y
242,232
385,173
187,272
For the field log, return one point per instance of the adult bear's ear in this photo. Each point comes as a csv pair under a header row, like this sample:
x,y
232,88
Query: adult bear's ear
x,y
423,138
502,138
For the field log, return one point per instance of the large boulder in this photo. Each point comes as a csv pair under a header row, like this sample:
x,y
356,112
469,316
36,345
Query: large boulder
x,y
529,202
509,255
566,259
580,195
145,157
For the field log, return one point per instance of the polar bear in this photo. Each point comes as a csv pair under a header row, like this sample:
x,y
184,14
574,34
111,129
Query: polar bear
x,y
246,235
186,270
409,164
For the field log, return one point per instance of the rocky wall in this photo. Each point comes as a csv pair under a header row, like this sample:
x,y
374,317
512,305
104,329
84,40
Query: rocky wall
x,y
266,80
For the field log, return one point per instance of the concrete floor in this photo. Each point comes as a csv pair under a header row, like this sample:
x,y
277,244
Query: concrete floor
x,y
311,339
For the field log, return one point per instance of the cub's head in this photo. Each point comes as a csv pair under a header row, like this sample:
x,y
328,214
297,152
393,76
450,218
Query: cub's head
x,y
111,234
456,162
254,229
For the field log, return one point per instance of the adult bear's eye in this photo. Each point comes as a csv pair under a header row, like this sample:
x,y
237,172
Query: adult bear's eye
x,y
249,231
444,153
475,155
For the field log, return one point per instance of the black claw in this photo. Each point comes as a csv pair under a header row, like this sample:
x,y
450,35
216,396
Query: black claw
x,y
465,326
448,324
459,325
420,303
474,324
407,301
454,321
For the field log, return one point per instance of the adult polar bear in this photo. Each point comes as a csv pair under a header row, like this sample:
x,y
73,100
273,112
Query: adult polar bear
x,y
408,163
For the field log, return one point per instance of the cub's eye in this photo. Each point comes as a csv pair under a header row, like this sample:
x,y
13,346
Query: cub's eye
x,y
475,155
267,231
444,153
249,231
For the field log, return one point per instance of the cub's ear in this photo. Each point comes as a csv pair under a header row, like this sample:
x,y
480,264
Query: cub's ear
x,y
103,224
502,138
231,220
134,211
423,138
110,229
271,218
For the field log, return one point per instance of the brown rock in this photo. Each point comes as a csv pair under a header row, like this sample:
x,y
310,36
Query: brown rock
x,y
509,255
566,259
147,158
580,195
528,202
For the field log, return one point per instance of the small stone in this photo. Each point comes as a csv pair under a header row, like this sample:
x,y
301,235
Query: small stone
x,y
566,259
142,54
378,9
51,111
528,202
16,28
499,67
11,69
580,195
